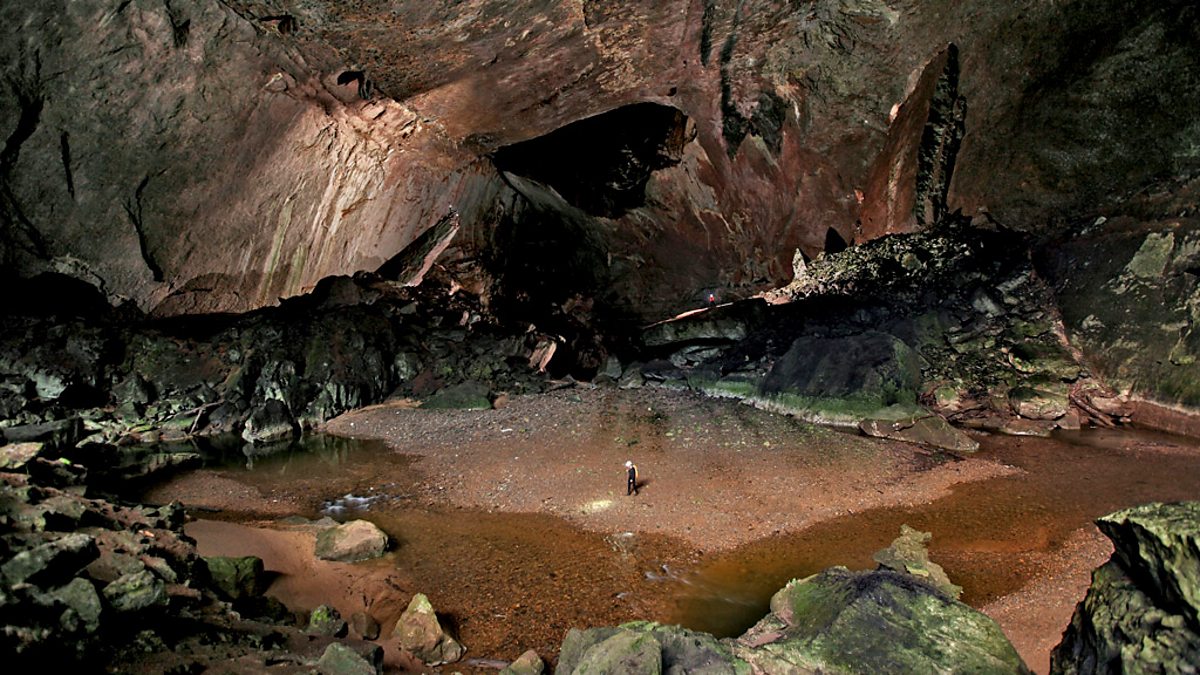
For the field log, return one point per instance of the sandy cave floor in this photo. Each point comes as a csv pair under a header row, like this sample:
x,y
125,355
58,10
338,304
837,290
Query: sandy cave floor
x,y
540,482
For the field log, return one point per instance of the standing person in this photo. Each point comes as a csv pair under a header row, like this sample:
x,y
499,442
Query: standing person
x,y
631,478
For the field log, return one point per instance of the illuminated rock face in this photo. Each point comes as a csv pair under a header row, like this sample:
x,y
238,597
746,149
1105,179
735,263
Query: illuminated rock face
x,y
198,155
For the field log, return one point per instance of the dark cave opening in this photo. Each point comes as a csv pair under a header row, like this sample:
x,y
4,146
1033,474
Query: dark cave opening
x,y
602,164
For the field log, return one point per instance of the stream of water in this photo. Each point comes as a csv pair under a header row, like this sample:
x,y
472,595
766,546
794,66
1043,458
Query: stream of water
x,y
558,576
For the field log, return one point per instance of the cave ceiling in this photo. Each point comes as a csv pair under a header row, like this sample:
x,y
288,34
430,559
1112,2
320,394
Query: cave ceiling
x,y
197,155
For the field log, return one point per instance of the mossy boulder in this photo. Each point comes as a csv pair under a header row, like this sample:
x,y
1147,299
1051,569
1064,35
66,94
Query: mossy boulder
x,y
1159,545
840,621
326,620
1140,613
645,647
237,578
845,380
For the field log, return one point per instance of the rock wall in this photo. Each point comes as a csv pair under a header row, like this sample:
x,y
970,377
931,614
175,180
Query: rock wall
x,y
197,155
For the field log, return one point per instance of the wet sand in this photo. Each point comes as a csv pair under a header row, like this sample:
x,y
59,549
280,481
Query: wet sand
x,y
515,521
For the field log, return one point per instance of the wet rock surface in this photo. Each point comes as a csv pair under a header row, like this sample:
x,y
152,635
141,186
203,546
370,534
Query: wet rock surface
x,y
1140,613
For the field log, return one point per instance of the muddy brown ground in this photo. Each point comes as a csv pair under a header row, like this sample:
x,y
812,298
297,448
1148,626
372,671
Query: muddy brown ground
x,y
516,523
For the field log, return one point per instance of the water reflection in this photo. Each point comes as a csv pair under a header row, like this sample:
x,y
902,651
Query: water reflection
x,y
980,531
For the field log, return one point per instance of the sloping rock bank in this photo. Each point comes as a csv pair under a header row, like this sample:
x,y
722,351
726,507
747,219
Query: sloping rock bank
x,y
1142,612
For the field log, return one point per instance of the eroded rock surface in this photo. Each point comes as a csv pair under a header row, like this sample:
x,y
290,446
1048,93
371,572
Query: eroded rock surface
x,y
1140,613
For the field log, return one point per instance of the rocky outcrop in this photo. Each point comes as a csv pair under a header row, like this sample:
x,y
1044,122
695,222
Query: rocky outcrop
x,y
351,542
902,337
265,376
1141,611
419,632
1129,297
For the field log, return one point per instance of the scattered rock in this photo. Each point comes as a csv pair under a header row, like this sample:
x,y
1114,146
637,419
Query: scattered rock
x,y
136,591
420,633
364,625
931,430
351,542
326,620
908,553
237,578
14,456
53,562
338,659
528,663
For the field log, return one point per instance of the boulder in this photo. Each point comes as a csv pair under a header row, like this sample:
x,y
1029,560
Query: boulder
x,y
14,456
466,396
528,663
631,648
364,625
326,620
1140,613
1120,629
53,562
847,379
269,422
136,591
352,541
419,632
626,651
57,434
931,430
881,621
237,578
338,659
908,553
1159,545
83,606
1039,403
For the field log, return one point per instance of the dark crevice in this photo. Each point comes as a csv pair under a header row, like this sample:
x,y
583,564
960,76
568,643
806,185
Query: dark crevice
x,y
30,102
64,144
770,110
602,164
180,26
940,142
134,210
284,23
834,243
359,77
706,28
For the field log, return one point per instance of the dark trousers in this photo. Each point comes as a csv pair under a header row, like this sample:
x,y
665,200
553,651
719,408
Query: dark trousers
x,y
631,487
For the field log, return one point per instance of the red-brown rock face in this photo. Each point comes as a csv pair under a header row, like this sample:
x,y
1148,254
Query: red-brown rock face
x,y
198,155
